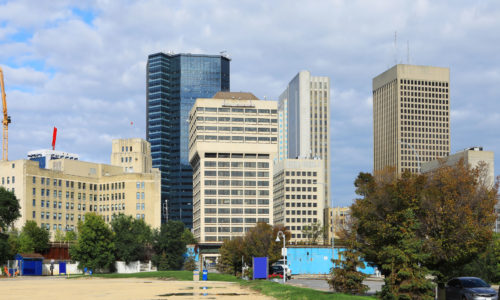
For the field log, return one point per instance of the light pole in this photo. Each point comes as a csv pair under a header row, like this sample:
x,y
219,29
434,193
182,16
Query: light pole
x,y
283,252
416,154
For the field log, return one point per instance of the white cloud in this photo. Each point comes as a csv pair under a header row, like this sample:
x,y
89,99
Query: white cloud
x,y
91,79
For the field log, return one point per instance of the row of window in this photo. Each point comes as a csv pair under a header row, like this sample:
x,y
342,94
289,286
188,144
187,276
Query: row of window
x,y
424,82
301,220
301,204
235,220
236,164
210,201
212,192
236,138
211,173
81,185
83,196
236,182
8,179
236,110
237,129
237,120
225,211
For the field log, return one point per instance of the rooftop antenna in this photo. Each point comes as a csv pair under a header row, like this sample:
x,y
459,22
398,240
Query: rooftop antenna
x,y
408,52
395,47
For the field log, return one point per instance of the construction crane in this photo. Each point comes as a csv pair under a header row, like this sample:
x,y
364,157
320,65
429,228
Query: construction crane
x,y
5,122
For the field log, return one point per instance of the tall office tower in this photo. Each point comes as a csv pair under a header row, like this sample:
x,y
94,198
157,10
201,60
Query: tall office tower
x,y
304,131
174,82
411,116
232,145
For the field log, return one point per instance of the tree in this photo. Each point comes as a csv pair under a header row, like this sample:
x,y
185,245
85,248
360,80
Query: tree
x,y
9,209
169,246
188,237
260,241
33,238
411,225
59,236
9,212
313,232
131,237
94,248
231,254
344,275
70,236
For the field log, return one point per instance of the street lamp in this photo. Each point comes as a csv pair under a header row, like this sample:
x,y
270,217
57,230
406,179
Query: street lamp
x,y
283,252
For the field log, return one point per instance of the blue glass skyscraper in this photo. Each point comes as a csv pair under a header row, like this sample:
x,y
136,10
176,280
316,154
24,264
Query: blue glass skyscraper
x,y
173,83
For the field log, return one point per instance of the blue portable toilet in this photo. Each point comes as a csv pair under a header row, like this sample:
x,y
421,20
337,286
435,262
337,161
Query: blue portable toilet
x,y
30,264
204,277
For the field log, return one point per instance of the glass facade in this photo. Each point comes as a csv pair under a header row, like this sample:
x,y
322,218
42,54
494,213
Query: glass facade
x,y
174,82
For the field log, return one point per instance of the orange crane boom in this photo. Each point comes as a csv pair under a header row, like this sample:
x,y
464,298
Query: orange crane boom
x,y
5,122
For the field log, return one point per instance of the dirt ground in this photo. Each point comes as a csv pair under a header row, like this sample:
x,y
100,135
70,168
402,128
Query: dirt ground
x,y
130,288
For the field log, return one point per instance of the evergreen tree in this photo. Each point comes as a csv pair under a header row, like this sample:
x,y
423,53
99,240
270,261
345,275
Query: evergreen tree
x,y
169,246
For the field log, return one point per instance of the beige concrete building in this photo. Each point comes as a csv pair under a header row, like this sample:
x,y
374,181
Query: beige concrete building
x,y
299,195
59,195
335,216
304,115
132,154
411,116
232,144
473,157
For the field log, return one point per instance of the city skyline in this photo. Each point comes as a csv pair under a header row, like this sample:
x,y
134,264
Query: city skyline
x,y
101,53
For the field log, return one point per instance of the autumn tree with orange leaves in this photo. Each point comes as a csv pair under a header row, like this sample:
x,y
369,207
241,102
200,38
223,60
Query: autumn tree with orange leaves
x,y
413,225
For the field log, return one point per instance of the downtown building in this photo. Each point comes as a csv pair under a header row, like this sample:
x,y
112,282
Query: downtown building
x,y
298,196
304,134
411,117
232,144
174,82
56,193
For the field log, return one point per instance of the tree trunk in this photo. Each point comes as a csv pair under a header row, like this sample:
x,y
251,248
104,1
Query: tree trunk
x,y
441,291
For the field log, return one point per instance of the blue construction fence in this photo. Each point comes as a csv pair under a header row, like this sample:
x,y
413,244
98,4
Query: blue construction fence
x,y
315,260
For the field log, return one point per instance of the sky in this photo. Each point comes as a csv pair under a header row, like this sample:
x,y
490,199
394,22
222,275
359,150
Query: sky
x,y
81,65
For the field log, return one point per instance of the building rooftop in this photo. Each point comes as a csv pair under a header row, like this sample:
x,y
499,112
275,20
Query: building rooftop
x,y
235,96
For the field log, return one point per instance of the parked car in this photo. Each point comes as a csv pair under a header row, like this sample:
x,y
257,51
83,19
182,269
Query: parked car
x,y
468,288
279,266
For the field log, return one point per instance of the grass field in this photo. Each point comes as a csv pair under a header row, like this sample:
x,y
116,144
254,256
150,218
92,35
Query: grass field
x,y
273,289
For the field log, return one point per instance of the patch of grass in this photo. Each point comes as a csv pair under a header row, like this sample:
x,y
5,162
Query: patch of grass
x,y
176,275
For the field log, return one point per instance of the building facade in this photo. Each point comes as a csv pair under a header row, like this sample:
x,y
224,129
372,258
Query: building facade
x,y
174,82
59,195
305,133
232,145
411,116
134,155
299,196
336,219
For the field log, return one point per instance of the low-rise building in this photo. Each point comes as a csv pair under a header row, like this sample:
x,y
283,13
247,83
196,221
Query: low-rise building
x,y
58,195
299,196
335,220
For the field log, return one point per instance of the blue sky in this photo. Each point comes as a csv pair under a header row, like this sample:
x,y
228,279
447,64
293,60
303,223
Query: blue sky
x,y
81,67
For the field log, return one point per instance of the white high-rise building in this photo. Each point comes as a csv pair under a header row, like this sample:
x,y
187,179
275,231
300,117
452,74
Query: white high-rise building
x,y
304,110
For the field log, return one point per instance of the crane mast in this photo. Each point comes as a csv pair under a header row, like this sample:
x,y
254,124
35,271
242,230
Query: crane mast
x,y
5,122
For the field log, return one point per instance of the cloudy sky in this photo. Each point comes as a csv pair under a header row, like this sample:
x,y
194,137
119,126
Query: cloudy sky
x,y
81,67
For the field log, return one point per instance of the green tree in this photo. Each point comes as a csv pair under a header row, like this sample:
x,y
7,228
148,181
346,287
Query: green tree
x,y
231,253
9,212
188,237
131,237
313,232
33,238
59,236
94,248
413,224
70,236
169,247
344,275
260,241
